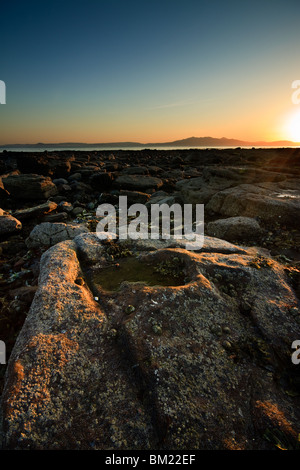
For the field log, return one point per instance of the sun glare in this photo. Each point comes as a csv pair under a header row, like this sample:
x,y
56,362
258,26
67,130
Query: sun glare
x,y
293,127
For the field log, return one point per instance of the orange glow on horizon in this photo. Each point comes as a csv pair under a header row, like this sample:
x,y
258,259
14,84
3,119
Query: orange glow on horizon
x,y
252,127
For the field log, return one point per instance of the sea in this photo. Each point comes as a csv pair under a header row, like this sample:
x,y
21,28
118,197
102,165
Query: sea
x,y
115,148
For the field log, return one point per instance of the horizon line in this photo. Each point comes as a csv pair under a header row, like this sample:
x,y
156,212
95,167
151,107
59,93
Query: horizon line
x,y
257,142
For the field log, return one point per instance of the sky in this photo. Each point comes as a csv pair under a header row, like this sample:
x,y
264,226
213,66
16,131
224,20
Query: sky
x,y
149,71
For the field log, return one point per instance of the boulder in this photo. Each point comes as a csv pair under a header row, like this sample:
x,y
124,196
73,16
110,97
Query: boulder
x,y
65,206
77,211
235,229
169,200
8,224
60,181
101,180
214,179
45,164
35,211
154,170
137,182
202,365
29,186
271,202
4,194
57,217
135,170
48,234
75,177
198,190
135,197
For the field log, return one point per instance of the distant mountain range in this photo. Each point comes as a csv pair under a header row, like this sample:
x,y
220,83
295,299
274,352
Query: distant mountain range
x,y
225,142
189,142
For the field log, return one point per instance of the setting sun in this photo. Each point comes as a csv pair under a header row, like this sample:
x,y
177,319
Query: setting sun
x,y
292,127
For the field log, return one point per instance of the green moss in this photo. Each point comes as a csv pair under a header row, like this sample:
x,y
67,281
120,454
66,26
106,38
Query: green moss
x,y
172,267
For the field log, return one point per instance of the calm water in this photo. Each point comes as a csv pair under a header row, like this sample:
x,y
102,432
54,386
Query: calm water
x,y
135,271
114,148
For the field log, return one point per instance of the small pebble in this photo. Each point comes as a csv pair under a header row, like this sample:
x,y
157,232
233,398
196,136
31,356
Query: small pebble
x,y
226,329
129,309
226,345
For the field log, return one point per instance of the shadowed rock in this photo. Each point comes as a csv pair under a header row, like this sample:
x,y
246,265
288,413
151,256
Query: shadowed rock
x,y
138,182
45,164
101,181
29,186
35,211
9,224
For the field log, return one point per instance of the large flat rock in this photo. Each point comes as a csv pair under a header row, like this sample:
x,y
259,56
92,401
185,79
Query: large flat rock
x,y
199,190
270,201
202,365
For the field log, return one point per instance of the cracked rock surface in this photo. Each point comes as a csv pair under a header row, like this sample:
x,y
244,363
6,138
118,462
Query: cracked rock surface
x,y
48,233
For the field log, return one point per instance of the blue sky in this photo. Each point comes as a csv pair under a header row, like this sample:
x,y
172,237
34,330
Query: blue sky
x,y
148,71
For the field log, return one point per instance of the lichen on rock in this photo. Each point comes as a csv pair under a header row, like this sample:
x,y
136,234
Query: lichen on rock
x,y
202,365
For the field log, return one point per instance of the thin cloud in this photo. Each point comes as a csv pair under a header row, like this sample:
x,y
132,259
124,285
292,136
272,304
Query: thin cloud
x,y
172,105
178,104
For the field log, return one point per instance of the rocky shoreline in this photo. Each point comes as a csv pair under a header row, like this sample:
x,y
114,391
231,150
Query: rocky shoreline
x,y
203,365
